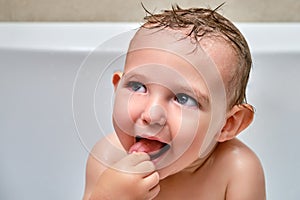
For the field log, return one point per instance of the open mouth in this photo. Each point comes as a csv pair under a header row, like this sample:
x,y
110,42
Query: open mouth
x,y
154,148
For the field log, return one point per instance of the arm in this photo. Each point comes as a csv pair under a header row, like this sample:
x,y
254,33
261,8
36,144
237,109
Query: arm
x,y
128,176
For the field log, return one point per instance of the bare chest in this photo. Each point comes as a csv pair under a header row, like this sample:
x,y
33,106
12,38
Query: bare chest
x,y
192,187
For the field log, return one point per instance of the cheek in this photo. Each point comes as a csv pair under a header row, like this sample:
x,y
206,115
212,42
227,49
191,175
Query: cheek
x,y
127,109
122,121
136,106
191,131
186,144
120,112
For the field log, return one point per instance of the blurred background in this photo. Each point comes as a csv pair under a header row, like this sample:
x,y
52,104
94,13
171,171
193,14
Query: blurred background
x,y
131,10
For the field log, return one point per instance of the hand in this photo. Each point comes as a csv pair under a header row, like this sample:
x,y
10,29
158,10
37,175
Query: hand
x,y
132,178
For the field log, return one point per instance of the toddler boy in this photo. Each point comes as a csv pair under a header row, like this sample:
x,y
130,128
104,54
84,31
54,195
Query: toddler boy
x,y
179,104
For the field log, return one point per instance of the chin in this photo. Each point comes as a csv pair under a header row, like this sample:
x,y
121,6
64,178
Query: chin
x,y
167,171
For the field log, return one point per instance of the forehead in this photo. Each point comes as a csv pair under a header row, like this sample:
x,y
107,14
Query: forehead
x,y
211,57
160,57
210,50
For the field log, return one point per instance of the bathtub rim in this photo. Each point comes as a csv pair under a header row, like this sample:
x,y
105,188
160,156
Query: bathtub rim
x,y
65,36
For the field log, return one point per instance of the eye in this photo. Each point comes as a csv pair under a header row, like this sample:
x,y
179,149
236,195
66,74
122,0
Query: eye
x,y
186,100
136,86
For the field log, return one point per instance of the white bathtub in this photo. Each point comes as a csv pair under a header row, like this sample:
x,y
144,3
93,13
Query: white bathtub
x,y
43,157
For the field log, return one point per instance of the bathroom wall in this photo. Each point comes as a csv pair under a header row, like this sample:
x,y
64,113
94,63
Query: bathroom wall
x,y
131,10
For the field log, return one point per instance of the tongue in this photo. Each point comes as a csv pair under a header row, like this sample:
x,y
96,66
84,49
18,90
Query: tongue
x,y
145,145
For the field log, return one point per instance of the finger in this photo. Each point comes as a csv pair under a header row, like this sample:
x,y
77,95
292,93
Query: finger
x,y
151,181
153,192
145,167
128,164
137,157
133,159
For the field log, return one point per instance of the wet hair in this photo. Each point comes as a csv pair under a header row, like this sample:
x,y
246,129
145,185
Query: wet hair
x,y
204,22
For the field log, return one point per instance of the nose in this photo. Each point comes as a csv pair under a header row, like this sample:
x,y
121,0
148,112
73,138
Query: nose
x,y
154,114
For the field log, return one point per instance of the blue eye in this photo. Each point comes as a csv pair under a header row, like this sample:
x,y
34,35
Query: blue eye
x,y
186,100
136,86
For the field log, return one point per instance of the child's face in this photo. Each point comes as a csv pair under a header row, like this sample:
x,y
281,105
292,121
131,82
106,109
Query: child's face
x,y
166,106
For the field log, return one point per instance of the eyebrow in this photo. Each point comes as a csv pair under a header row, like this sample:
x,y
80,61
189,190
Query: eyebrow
x,y
129,76
202,98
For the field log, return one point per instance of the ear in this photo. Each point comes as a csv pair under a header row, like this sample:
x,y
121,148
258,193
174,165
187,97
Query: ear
x,y
116,79
239,118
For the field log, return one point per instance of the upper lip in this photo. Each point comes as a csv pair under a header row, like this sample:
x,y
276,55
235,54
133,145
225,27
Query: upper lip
x,y
138,137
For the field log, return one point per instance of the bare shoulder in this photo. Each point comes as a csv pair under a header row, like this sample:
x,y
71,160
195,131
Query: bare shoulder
x,y
105,152
243,169
238,153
